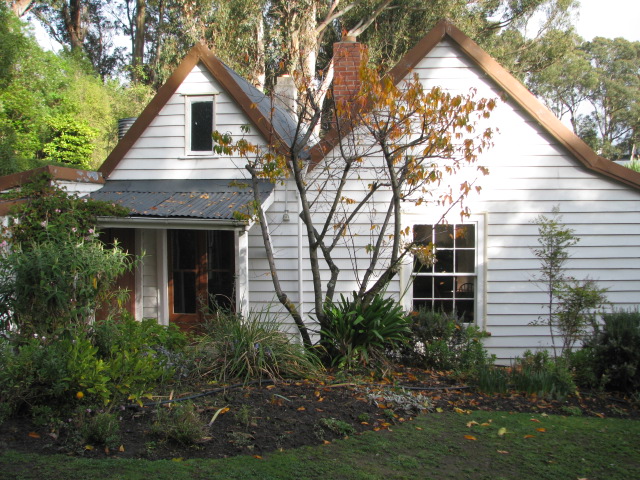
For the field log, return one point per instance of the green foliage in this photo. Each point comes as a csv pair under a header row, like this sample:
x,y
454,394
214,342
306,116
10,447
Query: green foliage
x,y
109,364
614,97
440,341
634,164
616,351
48,213
103,428
358,335
246,349
339,427
55,284
575,313
55,271
179,423
70,143
536,373
39,87
571,304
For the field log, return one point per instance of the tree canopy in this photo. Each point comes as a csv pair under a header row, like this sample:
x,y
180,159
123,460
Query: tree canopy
x,y
53,107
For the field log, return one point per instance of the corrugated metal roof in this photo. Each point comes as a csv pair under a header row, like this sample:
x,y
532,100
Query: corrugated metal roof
x,y
207,199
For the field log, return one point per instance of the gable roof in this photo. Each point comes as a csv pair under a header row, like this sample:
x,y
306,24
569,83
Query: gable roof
x,y
275,125
513,89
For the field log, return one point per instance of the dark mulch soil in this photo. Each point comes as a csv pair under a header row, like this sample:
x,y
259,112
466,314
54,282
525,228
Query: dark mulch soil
x,y
268,417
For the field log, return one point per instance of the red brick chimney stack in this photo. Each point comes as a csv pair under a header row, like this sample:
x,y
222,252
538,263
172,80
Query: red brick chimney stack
x,y
347,56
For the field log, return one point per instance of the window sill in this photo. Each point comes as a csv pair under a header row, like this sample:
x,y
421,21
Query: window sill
x,y
197,156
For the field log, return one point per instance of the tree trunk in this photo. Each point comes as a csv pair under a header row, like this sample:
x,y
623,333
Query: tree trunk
x,y
137,59
74,14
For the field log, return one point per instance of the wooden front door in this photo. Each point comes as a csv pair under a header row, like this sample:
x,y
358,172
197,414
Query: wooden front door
x,y
201,274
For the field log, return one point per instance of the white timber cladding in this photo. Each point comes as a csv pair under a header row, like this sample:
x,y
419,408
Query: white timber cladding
x,y
530,173
159,153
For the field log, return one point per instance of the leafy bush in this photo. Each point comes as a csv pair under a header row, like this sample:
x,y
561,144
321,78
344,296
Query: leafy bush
x,y
77,366
440,341
52,284
71,141
356,334
54,270
235,348
616,351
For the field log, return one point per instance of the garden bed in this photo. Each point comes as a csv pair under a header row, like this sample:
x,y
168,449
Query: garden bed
x,y
259,419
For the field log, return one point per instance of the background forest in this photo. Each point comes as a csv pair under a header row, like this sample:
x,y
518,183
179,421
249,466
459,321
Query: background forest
x,y
62,108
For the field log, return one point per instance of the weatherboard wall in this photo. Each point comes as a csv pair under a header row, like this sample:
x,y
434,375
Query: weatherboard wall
x,y
159,153
530,174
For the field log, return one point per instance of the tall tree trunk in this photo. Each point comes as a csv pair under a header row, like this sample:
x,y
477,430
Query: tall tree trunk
x,y
74,14
137,59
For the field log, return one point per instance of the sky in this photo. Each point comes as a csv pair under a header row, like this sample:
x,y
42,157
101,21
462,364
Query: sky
x,y
609,18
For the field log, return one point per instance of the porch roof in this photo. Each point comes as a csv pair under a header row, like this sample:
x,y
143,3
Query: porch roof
x,y
200,199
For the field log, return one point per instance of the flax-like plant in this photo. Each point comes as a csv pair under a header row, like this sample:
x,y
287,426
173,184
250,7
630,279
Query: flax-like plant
x,y
358,334
253,348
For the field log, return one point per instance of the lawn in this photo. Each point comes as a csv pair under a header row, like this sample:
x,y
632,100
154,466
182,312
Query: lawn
x,y
478,445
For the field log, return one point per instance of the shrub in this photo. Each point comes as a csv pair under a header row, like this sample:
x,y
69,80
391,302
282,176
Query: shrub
x,y
180,423
115,363
54,270
54,284
356,334
571,304
440,341
536,373
616,351
102,428
235,348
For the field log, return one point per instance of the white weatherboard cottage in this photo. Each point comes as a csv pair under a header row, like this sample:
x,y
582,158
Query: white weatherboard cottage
x,y
182,201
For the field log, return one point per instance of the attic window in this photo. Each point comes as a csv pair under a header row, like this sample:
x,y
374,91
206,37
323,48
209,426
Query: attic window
x,y
200,123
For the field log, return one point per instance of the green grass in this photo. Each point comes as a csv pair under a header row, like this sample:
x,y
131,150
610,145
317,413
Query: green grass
x,y
433,446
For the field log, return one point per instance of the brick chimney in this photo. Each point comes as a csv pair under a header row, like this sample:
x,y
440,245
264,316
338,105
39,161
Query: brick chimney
x,y
347,57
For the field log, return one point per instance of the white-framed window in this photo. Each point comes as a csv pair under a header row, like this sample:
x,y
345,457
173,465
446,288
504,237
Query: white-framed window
x,y
200,122
451,283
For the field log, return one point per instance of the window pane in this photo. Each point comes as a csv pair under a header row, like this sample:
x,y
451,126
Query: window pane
x,y
465,261
465,311
444,306
220,269
444,236
184,250
465,287
444,261
423,234
201,126
465,236
443,287
423,287
184,292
